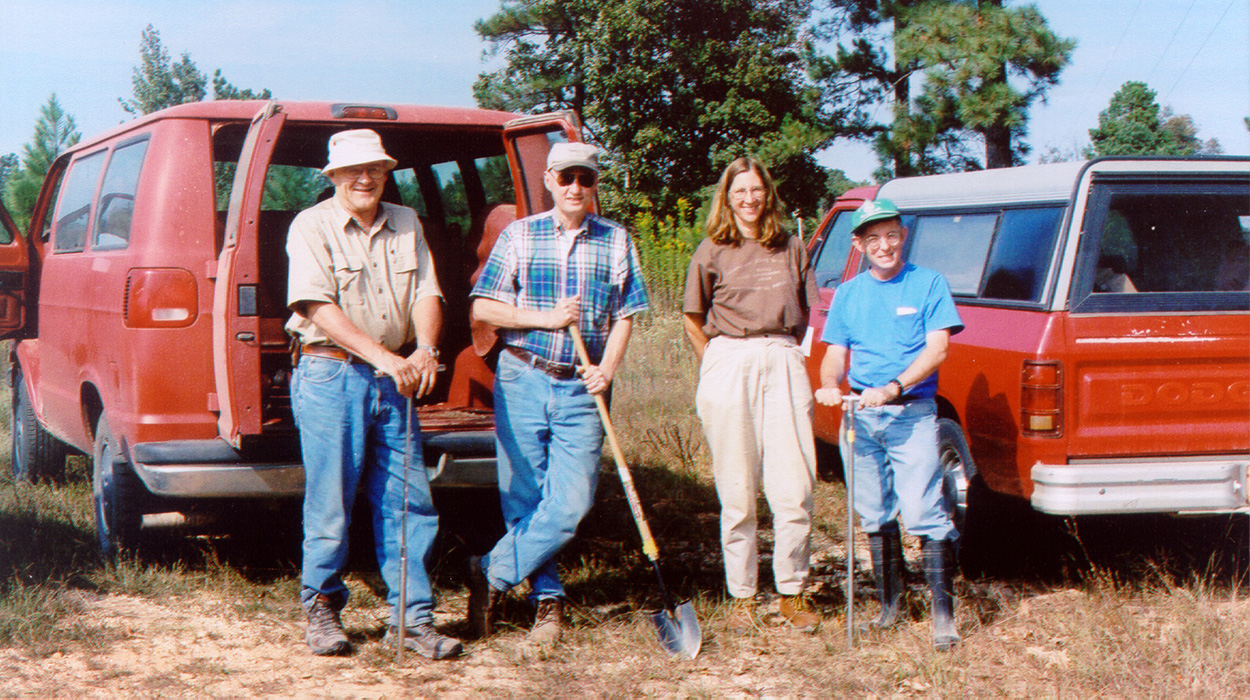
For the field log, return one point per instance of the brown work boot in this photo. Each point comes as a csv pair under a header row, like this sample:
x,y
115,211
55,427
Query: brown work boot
x,y
483,600
796,610
549,622
324,633
741,615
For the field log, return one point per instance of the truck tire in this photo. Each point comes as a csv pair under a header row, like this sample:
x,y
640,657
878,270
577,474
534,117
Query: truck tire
x,y
118,494
37,455
958,469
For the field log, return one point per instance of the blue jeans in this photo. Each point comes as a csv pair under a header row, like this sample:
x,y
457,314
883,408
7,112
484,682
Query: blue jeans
x,y
352,427
548,440
897,472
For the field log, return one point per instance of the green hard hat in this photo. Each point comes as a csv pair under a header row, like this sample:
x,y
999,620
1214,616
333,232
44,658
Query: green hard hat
x,y
873,210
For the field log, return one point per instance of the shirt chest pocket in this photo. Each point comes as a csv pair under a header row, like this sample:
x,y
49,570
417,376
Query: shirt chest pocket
x,y
349,277
404,263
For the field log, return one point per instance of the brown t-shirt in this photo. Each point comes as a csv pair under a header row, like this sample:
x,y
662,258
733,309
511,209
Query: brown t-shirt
x,y
749,290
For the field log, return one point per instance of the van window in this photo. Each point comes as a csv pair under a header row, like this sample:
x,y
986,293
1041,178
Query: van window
x,y
455,199
954,245
292,188
410,190
496,176
116,206
73,210
1021,254
831,258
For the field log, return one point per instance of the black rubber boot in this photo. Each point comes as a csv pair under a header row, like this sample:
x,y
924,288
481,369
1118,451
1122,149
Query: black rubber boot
x,y
937,571
887,569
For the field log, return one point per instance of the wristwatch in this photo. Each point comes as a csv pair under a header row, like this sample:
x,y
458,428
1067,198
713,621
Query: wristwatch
x,y
430,349
897,383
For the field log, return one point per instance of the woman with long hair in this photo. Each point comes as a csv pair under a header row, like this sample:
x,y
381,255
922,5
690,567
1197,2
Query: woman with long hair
x,y
748,292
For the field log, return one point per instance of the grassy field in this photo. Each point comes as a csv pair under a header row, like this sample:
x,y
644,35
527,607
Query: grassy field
x,y
1143,607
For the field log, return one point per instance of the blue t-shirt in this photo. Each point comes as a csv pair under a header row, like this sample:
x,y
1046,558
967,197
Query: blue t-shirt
x,y
885,323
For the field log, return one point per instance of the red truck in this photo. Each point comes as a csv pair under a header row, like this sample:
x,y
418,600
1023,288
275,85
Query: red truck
x,y
1105,363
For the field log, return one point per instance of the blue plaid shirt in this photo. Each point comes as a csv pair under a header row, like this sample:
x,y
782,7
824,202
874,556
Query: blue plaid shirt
x,y
525,270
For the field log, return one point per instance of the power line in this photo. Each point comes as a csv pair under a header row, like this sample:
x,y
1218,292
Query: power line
x,y
1164,52
1193,58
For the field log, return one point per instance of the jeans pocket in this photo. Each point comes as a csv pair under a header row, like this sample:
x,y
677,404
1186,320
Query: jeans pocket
x,y
320,370
509,368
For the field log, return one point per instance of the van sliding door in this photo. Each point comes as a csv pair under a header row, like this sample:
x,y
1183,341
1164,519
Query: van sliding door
x,y
237,326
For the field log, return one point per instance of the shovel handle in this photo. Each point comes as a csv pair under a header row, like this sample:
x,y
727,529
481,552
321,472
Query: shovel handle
x,y
622,469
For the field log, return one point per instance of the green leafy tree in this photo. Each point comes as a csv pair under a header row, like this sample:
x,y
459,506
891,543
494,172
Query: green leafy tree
x,y
55,131
970,51
160,83
1134,124
672,89
971,55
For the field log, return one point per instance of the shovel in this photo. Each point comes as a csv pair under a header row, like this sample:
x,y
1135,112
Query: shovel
x,y
676,625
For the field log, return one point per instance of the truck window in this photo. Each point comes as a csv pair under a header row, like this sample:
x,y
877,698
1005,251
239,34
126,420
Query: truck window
x,y
1173,243
954,245
73,209
116,206
1021,254
454,198
831,258
292,188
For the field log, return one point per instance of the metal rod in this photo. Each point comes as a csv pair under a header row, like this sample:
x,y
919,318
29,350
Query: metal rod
x,y
403,539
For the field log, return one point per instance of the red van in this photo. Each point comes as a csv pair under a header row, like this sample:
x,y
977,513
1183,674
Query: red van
x,y
149,296
1105,364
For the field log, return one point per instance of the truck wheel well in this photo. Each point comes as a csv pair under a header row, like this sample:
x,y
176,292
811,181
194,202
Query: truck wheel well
x,y
92,407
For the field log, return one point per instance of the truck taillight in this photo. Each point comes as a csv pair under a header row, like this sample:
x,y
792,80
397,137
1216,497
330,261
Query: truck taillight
x,y
160,298
1041,399
349,111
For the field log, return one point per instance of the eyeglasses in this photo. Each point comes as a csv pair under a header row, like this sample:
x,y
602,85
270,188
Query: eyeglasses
x,y
353,172
587,179
874,241
742,192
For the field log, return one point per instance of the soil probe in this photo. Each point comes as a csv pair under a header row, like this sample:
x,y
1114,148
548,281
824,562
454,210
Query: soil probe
x,y
848,469
677,625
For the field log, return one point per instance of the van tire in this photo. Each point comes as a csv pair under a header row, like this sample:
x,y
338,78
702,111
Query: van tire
x,y
958,470
37,455
117,494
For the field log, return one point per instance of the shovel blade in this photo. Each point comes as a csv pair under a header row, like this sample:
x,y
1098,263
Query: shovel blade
x,y
678,629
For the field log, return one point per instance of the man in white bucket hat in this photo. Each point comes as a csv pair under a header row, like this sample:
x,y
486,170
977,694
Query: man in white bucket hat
x,y
367,314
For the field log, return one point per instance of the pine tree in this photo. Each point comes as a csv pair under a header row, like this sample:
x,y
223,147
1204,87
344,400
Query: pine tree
x,y
159,83
55,131
1134,124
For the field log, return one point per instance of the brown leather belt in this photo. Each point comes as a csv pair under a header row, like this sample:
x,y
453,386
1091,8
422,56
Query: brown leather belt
x,y
555,369
331,352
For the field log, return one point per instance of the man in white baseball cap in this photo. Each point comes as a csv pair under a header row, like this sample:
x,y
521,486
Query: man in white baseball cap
x,y
545,273
367,312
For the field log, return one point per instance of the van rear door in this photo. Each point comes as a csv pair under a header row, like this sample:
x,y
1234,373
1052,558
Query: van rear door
x,y
239,332
14,267
1160,313
527,140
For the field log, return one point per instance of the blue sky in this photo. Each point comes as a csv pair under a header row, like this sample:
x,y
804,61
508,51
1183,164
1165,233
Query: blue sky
x,y
1195,54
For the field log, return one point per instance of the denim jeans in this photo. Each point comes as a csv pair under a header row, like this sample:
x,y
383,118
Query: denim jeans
x,y
897,472
352,427
548,440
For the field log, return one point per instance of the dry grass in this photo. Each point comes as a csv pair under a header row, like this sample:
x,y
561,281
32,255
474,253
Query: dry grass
x,y
1113,615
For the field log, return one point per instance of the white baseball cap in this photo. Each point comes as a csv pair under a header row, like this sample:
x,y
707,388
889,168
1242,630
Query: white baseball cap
x,y
573,155
356,147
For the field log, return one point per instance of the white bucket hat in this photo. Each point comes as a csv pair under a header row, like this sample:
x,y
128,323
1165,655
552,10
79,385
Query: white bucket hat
x,y
356,147
573,155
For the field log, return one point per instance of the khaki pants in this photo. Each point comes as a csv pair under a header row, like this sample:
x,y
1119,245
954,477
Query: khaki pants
x,y
755,403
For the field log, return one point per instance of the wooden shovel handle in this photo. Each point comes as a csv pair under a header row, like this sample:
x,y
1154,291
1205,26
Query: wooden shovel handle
x,y
631,494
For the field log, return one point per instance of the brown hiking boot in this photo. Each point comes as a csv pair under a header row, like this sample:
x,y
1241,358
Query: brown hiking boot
x,y
741,615
796,610
325,630
549,622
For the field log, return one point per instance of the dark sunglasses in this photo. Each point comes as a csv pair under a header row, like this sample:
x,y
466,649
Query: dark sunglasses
x,y
586,179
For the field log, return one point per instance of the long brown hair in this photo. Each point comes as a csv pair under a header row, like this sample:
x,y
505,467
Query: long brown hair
x,y
721,226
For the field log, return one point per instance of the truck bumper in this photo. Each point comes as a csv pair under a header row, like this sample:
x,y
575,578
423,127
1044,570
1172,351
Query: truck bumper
x,y
1217,485
216,469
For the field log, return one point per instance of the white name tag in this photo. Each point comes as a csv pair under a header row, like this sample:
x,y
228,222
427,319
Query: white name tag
x,y
904,311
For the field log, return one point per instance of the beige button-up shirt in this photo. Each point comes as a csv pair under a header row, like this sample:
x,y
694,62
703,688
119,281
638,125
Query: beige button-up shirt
x,y
374,276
